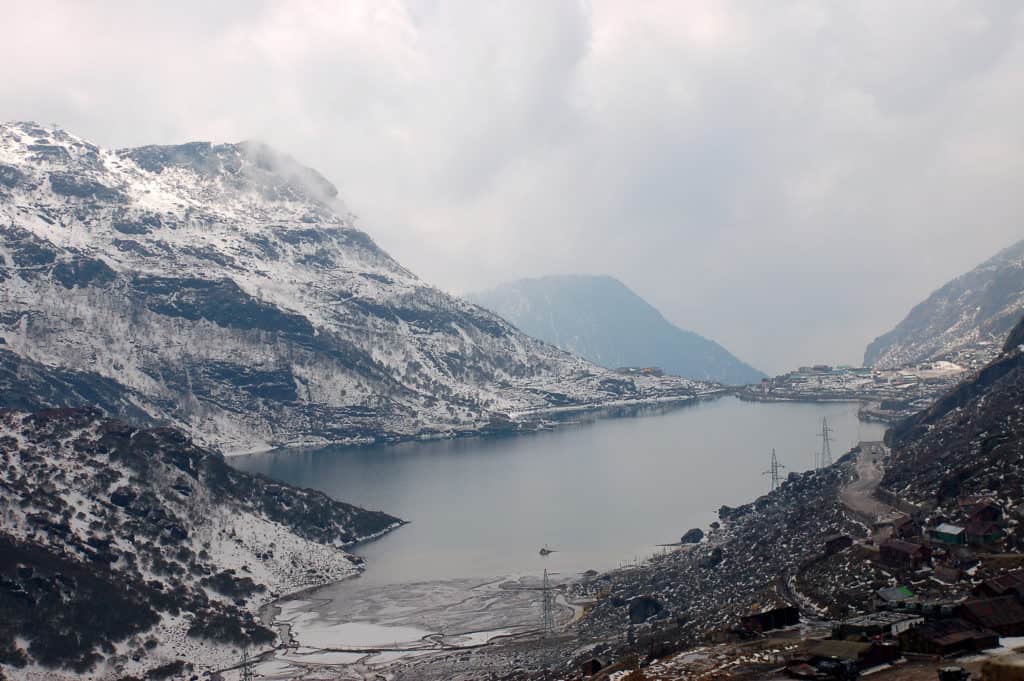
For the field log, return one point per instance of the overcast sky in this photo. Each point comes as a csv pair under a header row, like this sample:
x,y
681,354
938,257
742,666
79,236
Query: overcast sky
x,y
787,178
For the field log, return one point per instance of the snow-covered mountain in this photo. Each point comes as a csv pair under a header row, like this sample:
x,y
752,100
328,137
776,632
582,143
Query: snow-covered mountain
x,y
599,318
130,553
224,289
972,313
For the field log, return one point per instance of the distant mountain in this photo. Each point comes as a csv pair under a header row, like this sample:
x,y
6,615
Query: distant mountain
x,y
973,312
132,553
599,318
224,289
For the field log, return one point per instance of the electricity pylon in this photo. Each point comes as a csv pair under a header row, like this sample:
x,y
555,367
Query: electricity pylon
x,y
825,458
773,471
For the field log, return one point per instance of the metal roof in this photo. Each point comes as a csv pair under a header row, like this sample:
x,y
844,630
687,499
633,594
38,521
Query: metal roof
x,y
996,612
896,593
946,528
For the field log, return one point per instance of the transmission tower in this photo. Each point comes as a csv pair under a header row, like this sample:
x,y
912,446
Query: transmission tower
x,y
548,604
825,458
246,667
773,471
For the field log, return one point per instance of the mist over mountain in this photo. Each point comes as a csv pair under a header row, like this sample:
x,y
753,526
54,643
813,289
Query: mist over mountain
x,y
225,289
600,319
973,313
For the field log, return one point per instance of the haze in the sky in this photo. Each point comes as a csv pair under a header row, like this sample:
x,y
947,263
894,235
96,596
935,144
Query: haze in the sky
x,y
787,178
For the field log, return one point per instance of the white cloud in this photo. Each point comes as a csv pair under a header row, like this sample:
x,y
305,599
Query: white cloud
x,y
788,178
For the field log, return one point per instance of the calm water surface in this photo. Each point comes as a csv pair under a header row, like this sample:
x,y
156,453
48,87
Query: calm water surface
x,y
601,493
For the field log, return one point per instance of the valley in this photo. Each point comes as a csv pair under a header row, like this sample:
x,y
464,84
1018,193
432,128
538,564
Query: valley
x,y
201,355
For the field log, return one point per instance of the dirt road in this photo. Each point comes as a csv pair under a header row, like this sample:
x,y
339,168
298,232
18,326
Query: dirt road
x,y
858,496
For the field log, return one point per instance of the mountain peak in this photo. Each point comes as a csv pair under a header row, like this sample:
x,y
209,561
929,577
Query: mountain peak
x,y
603,320
968,315
220,288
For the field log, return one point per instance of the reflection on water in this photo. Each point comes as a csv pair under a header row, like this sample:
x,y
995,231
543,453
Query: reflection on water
x,y
601,494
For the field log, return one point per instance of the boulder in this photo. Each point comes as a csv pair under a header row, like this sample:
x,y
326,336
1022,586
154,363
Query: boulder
x,y
692,536
643,608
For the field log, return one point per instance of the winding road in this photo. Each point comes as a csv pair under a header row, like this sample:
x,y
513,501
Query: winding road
x,y
859,495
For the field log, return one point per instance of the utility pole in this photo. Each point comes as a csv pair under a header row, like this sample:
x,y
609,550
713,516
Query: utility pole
x,y
773,471
825,459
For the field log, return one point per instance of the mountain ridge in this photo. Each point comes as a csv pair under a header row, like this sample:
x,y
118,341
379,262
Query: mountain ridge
x,y
970,313
225,289
602,320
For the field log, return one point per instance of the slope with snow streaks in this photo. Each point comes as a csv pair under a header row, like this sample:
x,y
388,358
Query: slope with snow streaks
x,y
973,312
227,290
122,549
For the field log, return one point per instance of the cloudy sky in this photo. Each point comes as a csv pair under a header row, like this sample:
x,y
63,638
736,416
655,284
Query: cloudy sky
x,y
788,178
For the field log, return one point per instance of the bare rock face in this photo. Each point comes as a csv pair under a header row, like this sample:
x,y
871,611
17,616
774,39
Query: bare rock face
x,y
224,289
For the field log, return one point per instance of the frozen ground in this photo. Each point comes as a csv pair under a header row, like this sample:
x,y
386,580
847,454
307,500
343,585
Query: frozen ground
x,y
353,630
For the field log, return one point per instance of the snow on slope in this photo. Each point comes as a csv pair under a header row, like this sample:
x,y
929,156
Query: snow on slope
x,y
122,550
227,291
970,314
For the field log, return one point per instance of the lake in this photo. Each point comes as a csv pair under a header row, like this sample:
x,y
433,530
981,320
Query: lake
x,y
600,494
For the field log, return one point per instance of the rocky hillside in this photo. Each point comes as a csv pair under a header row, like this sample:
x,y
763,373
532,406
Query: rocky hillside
x,y
972,313
124,551
600,319
224,289
971,441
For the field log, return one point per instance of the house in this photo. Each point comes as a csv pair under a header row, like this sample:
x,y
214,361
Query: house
x,y
1008,584
862,654
834,543
899,553
948,534
906,527
947,637
983,533
980,507
948,574
882,623
895,596
1003,615
771,618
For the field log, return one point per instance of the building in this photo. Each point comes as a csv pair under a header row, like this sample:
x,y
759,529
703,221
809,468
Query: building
x,y
895,596
980,507
771,618
947,637
834,543
1003,615
882,623
1010,584
905,527
862,654
983,533
899,553
948,534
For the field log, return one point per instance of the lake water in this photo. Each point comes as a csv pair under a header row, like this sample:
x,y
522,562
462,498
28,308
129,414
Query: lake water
x,y
599,493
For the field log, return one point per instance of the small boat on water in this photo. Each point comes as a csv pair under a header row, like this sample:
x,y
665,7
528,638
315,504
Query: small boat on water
x,y
546,550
